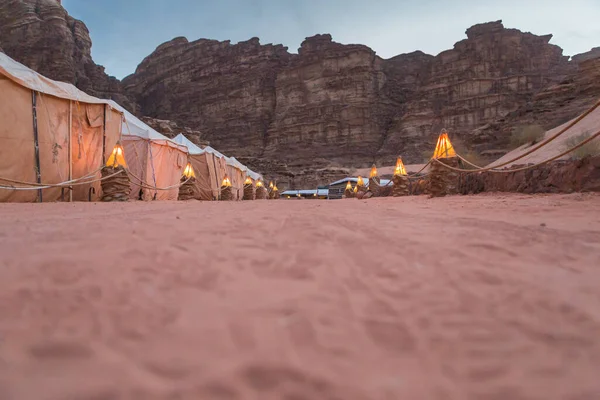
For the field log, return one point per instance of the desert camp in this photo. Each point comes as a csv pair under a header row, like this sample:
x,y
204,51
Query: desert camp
x,y
371,214
65,119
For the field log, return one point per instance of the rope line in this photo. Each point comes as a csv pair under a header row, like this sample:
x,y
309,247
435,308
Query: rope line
x,y
61,186
533,149
508,171
65,183
143,184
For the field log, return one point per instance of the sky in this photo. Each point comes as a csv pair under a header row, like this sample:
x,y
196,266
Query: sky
x,y
124,32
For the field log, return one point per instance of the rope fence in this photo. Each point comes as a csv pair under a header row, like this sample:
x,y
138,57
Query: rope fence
x,y
63,185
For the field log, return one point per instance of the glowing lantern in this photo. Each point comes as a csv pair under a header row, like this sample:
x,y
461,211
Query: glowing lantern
x,y
188,172
400,170
356,189
271,185
275,188
373,173
117,157
248,181
226,182
360,181
349,186
443,148
259,184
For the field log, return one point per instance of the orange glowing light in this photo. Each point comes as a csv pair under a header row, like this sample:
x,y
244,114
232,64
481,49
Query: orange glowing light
x,y
117,157
373,173
356,189
349,186
260,184
248,181
400,170
226,182
360,182
275,188
443,148
188,172
271,185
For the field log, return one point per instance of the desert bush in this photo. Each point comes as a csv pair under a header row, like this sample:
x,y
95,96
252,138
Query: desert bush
x,y
589,149
528,134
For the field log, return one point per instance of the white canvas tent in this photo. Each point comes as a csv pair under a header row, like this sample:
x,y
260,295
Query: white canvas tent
x,y
50,133
155,162
210,167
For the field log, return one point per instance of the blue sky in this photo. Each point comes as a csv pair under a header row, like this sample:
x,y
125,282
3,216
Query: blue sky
x,y
125,31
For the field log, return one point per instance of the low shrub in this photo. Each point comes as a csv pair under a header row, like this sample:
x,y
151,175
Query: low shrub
x,y
529,134
587,150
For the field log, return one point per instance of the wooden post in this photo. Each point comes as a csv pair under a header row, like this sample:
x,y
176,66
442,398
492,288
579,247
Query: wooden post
x,y
217,177
70,150
36,143
104,136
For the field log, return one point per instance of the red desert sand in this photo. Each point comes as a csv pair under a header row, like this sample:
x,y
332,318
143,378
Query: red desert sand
x,y
485,297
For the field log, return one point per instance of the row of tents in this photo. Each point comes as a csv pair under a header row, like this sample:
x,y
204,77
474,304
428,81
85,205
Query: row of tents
x,y
55,139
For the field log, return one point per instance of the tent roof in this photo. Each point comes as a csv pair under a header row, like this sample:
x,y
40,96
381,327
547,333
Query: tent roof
x,y
192,147
30,79
235,163
345,180
254,175
232,161
132,126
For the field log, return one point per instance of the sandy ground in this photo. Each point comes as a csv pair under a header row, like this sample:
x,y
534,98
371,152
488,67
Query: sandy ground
x,y
485,297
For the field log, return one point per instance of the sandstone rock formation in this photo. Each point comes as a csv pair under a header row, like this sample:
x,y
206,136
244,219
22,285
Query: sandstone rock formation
x,y
43,36
484,78
552,106
226,91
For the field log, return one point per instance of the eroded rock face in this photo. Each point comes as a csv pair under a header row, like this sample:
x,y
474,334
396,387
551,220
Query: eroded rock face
x,y
226,91
41,35
552,106
329,105
482,79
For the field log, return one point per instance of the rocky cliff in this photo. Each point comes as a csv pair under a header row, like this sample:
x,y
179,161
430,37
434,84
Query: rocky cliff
x,y
226,91
305,118
482,79
43,36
